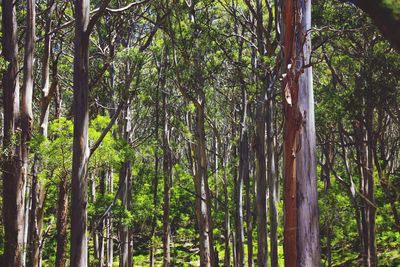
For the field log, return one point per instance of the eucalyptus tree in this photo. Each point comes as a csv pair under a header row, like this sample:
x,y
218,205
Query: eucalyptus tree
x,y
301,230
83,28
18,117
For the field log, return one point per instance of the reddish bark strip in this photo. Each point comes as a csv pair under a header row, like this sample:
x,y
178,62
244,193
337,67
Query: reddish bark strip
x,y
290,207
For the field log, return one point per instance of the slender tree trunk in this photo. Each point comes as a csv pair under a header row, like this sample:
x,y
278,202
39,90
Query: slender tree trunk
x,y
62,221
124,184
109,225
243,176
261,179
249,212
227,258
167,172
102,189
301,230
272,179
36,218
167,169
26,111
155,190
38,188
80,144
370,189
155,203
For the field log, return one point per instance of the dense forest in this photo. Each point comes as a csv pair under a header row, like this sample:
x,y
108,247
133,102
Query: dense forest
x,y
200,133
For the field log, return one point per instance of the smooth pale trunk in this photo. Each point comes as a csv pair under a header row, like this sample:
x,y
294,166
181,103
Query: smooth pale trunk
x,y
124,183
301,231
79,198
167,171
272,180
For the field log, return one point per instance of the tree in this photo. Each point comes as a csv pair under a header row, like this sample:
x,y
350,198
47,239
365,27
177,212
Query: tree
x,y
301,231
385,15
13,172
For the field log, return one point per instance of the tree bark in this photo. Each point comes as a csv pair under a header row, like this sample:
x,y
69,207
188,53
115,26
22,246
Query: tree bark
x,y
26,111
80,143
124,184
13,179
62,221
301,229
364,142
272,178
243,176
167,171
38,188
203,201
109,225
227,258
155,188
249,222
261,180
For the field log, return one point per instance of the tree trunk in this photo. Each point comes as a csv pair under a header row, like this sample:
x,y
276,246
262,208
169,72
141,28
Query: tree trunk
x,y
26,111
249,220
167,171
109,225
227,259
155,190
80,144
36,218
38,189
102,189
272,179
261,180
363,139
243,176
62,221
124,184
203,202
13,180
301,230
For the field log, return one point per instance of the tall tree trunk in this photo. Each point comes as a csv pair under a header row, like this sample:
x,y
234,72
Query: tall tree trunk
x,y
36,218
227,258
80,144
203,201
155,204
62,221
109,225
167,169
167,172
38,188
102,189
370,210
272,178
243,176
124,184
249,222
26,111
13,182
366,183
301,229
155,188
261,180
